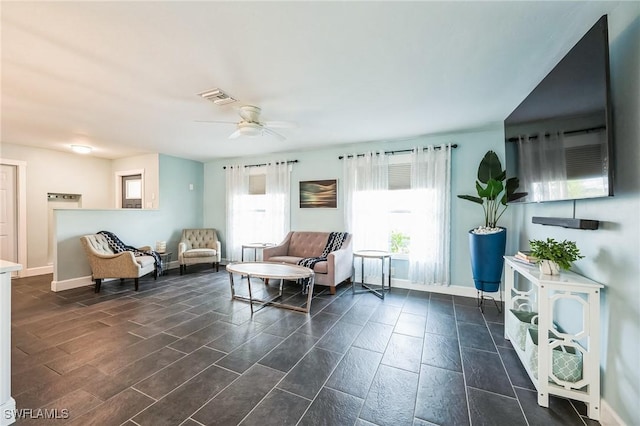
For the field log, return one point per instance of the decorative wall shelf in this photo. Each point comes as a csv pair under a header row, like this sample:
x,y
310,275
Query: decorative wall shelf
x,y
545,292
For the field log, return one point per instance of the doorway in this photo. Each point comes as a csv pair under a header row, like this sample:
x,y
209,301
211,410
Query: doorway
x,y
13,212
131,192
129,189
8,213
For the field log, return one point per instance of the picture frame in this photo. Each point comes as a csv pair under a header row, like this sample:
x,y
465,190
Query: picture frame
x,y
319,194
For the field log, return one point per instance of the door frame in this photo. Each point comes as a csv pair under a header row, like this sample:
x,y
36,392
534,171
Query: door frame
x,y
118,185
21,206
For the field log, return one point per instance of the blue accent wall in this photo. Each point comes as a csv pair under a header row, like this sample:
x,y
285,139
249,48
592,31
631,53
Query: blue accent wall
x,y
181,206
612,253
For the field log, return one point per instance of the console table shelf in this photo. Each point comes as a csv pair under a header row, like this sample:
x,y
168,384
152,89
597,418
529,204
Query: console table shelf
x,y
545,292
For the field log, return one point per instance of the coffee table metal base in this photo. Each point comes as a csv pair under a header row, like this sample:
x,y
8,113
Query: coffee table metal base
x,y
266,270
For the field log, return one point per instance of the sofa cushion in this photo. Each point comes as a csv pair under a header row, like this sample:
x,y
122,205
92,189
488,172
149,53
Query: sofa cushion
x,y
201,252
144,260
99,243
308,244
319,268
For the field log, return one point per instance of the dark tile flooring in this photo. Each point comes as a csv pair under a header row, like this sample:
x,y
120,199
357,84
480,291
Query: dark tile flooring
x,y
179,351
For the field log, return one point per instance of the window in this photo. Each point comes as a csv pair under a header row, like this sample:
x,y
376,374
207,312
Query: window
x,y
401,204
257,206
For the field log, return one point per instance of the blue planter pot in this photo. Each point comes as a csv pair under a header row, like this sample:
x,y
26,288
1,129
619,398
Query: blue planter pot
x,y
487,259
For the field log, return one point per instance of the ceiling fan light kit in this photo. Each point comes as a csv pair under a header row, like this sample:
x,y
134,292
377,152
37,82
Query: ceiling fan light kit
x,y
249,124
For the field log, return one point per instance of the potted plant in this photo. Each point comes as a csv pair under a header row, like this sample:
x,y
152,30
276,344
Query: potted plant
x,y
487,243
553,255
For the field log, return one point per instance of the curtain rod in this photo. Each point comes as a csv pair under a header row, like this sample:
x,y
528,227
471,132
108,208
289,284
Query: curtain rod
x,y
570,132
263,164
453,146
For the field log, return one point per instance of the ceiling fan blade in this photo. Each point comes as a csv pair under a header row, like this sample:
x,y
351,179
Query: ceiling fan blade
x,y
235,134
215,122
273,133
280,124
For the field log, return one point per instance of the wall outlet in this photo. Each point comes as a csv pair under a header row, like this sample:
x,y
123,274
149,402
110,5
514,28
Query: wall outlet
x,y
393,271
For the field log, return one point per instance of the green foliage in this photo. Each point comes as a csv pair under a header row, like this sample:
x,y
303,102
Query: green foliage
x,y
399,242
494,189
563,253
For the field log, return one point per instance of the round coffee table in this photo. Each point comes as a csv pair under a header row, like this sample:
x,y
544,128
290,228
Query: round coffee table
x,y
272,270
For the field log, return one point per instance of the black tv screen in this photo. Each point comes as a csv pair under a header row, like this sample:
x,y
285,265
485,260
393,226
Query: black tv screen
x,y
558,141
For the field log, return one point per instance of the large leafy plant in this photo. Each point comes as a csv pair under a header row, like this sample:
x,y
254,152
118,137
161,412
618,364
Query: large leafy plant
x,y
563,253
494,189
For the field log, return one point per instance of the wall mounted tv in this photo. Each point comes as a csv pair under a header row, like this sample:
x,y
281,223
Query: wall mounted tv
x,y
558,141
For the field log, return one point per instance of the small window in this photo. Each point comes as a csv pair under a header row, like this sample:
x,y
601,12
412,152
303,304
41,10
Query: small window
x,y
399,176
258,184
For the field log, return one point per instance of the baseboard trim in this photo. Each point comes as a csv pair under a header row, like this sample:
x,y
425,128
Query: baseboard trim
x,y
32,272
608,417
453,290
72,283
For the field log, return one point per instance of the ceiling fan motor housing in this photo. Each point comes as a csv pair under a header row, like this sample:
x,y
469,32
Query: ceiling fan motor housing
x,y
251,129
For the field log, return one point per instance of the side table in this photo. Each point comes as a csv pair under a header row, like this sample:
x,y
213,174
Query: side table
x,y
255,247
165,258
371,254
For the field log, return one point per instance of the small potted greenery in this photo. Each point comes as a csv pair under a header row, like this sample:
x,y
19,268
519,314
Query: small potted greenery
x,y
553,255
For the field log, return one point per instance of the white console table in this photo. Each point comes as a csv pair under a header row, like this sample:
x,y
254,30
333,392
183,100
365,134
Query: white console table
x,y
7,403
545,292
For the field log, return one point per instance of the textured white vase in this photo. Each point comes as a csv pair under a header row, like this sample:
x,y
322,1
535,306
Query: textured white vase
x,y
549,267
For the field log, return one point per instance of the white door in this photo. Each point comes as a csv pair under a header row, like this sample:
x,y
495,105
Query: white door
x,y
8,213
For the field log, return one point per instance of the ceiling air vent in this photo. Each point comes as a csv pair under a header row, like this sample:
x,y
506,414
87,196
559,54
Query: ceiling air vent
x,y
217,96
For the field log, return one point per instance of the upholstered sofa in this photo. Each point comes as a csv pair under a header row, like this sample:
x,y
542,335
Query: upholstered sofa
x,y
298,245
105,263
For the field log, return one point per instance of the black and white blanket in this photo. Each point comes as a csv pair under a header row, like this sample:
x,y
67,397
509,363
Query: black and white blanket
x,y
118,247
335,241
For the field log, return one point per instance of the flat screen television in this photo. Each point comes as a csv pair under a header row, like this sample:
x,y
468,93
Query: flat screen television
x,y
558,141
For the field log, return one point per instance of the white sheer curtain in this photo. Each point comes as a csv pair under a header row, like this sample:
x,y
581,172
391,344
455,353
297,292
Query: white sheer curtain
x,y
277,206
257,217
366,186
544,173
237,210
430,215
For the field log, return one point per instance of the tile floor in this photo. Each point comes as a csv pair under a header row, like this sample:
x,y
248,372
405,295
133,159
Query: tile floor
x,y
180,352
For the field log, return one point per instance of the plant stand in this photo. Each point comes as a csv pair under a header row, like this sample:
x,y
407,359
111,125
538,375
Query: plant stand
x,y
481,297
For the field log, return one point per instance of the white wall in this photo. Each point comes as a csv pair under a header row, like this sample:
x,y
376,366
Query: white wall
x,y
54,171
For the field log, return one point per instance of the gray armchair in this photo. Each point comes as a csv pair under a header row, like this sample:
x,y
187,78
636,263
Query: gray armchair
x,y
105,263
199,246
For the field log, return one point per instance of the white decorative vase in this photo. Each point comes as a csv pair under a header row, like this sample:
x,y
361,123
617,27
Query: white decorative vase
x,y
549,267
161,246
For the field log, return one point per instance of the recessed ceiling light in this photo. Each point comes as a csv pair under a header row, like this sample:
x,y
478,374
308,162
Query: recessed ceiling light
x,y
81,149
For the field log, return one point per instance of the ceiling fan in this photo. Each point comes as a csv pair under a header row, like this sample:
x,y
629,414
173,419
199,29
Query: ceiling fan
x,y
251,126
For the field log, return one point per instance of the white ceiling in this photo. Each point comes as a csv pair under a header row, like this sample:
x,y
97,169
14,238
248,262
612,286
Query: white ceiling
x,y
122,77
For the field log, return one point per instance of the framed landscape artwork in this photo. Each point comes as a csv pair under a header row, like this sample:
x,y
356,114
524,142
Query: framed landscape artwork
x,y
319,194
